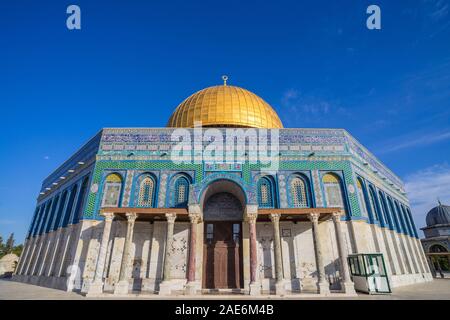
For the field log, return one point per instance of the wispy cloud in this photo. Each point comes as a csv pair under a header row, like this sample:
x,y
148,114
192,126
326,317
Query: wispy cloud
x,y
414,140
301,108
439,9
6,222
424,187
431,16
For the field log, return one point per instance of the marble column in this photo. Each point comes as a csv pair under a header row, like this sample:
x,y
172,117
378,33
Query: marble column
x,y
279,285
323,286
255,287
96,286
122,286
165,285
191,286
347,285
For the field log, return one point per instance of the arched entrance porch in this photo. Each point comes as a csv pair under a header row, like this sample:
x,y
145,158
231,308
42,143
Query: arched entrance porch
x,y
223,203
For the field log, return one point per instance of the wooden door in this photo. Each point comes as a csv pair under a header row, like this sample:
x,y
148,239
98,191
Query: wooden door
x,y
222,261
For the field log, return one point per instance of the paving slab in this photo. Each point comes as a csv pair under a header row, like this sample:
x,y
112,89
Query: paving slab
x,y
439,289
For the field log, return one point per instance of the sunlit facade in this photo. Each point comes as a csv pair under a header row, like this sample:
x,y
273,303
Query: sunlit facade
x,y
123,215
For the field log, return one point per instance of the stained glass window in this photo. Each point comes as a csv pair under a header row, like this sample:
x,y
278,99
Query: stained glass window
x,y
181,192
265,193
146,192
298,193
333,193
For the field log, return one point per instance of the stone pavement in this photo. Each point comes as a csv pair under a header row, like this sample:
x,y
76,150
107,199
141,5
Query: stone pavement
x,y
438,289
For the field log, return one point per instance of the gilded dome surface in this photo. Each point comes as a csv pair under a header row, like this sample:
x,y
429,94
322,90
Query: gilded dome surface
x,y
224,106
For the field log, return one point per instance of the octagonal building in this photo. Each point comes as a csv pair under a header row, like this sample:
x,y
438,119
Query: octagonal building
x,y
223,199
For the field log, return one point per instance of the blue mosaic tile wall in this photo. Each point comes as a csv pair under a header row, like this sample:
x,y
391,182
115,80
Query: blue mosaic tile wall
x,y
312,152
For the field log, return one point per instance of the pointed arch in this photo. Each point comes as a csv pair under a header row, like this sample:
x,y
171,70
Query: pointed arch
x,y
387,215
334,195
59,216
394,215
52,213
401,219
81,200
111,190
299,187
376,211
180,195
360,187
69,207
413,225
146,196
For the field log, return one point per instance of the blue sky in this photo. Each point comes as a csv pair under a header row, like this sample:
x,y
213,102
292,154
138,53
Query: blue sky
x,y
134,61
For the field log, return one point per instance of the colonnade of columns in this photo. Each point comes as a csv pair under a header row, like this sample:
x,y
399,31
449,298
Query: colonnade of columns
x,y
96,286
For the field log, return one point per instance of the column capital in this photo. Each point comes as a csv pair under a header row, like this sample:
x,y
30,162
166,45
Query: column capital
x,y
251,217
195,218
336,216
314,217
275,217
109,216
131,216
171,216
194,208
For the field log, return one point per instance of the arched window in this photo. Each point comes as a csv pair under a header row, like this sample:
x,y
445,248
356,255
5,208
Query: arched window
x,y
362,199
181,192
405,216
385,209
70,205
45,216
374,206
35,215
38,220
52,214
111,191
394,215
146,192
413,225
299,193
60,210
333,191
81,201
401,218
265,193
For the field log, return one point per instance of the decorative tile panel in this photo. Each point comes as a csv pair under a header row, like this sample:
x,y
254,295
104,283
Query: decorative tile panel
x,y
127,189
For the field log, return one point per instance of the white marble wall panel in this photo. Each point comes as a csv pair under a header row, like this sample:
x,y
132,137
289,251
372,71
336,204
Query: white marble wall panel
x,y
266,258
330,253
179,250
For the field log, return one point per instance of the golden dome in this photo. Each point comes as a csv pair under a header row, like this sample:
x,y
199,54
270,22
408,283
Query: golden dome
x,y
224,106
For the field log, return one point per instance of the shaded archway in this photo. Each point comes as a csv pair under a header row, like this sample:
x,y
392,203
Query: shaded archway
x,y
220,186
223,203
